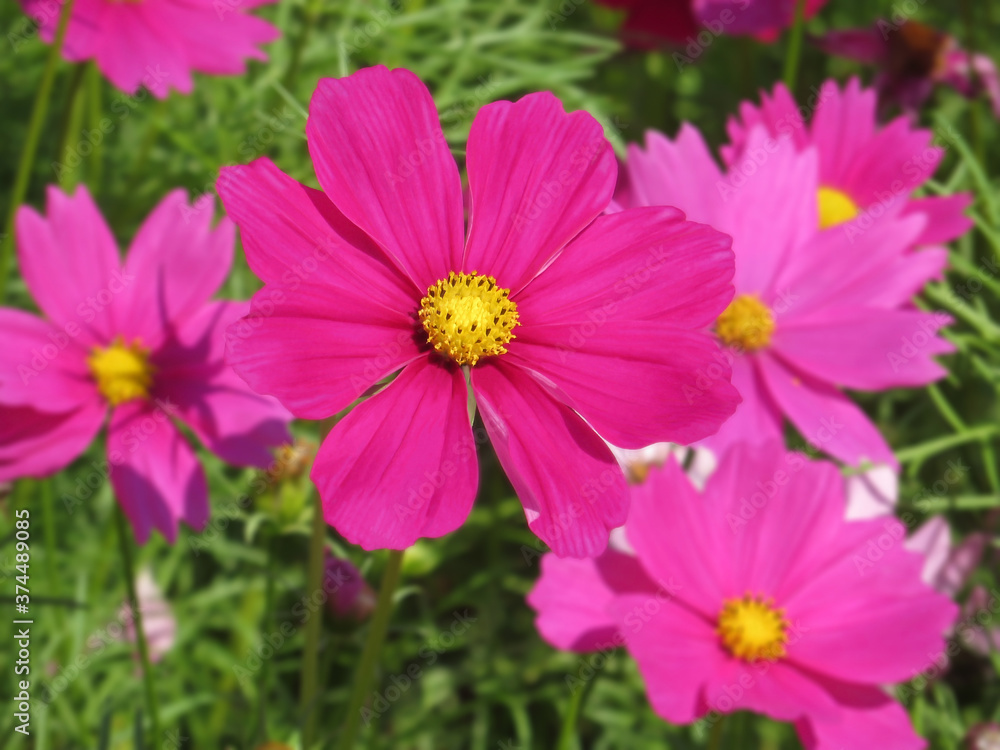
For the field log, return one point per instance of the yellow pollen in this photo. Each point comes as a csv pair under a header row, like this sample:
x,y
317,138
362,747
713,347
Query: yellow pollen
x,y
752,628
835,207
122,371
747,323
467,317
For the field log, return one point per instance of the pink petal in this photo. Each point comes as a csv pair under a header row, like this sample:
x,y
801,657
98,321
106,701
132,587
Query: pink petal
x,y
401,465
382,159
293,234
872,493
757,418
537,177
640,264
895,161
775,689
331,345
217,38
155,474
636,383
36,444
932,541
572,489
778,112
192,376
825,416
137,51
864,45
842,127
946,218
70,263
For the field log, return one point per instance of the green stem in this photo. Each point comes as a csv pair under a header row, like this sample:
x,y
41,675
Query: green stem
x,y
795,46
266,620
70,127
372,650
38,113
925,450
309,685
140,633
96,108
715,738
572,717
51,545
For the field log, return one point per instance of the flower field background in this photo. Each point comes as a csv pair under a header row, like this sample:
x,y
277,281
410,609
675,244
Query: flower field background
x,y
463,665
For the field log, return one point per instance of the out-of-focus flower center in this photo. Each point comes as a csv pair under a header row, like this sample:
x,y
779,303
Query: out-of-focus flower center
x,y
752,628
835,207
122,371
747,323
467,317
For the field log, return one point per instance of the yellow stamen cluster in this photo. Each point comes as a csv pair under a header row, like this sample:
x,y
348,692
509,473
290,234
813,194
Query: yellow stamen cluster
x,y
835,207
122,371
467,317
752,628
747,323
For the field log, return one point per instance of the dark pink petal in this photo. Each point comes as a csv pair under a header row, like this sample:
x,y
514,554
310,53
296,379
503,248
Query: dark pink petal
x,y
866,716
155,474
401,465
757,418
867,348
572,489
293,234
316,349
537,177
382,159
776,689
572,598
946,219
42,366
778,112
176,262
137,51
864,45
84,32
827,418
636,383
36,444
70,263
640,264
192,376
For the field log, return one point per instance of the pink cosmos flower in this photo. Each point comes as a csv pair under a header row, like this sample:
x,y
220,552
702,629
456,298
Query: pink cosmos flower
x,y
912,59
348,594
139,343
159,624
815,311
158,43
566,323
865,170
757,595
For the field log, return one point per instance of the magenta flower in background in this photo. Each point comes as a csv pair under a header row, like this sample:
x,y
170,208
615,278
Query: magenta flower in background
x,y
912,58
158,43
757,595
567,323
865,170
348,593
815,311
140,343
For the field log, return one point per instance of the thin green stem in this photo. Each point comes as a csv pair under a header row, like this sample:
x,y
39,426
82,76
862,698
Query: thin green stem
x,y
795,46
715,738
95,103
572,716
38,113
51,545
309,685
925,450
265,670
140,634
72,119
373,649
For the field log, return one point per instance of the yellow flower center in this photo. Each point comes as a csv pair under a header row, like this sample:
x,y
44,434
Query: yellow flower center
x,y
467,316
747,323
835,207
752,628
122,371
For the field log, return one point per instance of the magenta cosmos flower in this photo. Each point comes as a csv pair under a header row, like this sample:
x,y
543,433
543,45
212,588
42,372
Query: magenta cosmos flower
x,y
865,170
158,43
139,343
814,310
757,595
566,323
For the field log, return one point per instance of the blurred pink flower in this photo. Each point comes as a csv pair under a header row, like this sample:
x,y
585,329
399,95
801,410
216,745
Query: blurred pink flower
x,y
864,171
872,493
158,621
777,606
158,43
348,593
913,58
815,311
567,323
137,342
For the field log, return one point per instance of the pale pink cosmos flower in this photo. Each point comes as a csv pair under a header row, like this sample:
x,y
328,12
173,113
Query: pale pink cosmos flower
x,y
139,343
158,43
865,170
815,311
567,323
777,607
159,624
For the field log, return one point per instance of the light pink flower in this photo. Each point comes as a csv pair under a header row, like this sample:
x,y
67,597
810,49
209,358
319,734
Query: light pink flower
x,y
158,43
159,624
139,342
865,170
815,311
774,606
872,493
584,324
